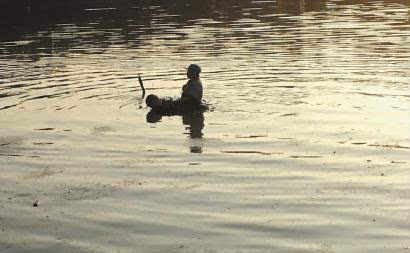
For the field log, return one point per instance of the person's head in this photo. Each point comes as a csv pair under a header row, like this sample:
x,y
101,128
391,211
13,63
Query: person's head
x,y
152,101
193,71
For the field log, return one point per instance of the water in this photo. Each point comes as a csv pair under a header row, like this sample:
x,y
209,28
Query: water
x,y
306,148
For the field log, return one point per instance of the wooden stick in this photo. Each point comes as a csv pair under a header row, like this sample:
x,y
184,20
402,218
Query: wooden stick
x,y
143,92
142,85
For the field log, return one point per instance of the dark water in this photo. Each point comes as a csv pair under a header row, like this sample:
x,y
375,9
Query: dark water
x,y
306,148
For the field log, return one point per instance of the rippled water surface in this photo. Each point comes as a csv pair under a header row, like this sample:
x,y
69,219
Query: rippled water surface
x,y
305,148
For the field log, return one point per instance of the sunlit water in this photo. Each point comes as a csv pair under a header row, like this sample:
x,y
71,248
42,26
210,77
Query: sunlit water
x,y
305,148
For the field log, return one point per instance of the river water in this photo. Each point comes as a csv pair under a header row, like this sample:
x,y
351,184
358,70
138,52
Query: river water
x,y
305,148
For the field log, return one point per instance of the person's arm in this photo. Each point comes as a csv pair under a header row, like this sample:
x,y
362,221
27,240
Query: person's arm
x,y
185,96
196,93
191,94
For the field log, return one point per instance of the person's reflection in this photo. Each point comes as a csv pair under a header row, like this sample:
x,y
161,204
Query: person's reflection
x,y
194,122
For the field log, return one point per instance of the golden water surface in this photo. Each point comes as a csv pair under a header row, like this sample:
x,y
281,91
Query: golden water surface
x,y
305,148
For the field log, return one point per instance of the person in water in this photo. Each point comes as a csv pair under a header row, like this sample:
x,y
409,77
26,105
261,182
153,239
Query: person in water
x,y
192,90
191,97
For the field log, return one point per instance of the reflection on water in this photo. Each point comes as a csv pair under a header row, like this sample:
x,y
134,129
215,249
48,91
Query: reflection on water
x,y
306,149
194,122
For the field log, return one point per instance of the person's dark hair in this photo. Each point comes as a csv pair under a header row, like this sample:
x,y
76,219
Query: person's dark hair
x,y
194,68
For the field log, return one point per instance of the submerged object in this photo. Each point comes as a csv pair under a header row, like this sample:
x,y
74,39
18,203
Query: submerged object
x,y
170,107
